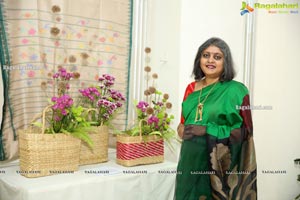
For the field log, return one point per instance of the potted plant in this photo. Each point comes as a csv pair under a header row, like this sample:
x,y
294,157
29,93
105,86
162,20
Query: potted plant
x,y
143,143
102,102
52,145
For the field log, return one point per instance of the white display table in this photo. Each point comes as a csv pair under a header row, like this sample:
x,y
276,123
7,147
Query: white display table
x,y
105,181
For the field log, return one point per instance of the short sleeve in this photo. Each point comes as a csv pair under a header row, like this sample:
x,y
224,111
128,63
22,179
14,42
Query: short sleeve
x,y
189,89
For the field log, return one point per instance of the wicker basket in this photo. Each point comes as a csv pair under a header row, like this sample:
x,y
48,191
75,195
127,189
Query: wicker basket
x,y
99,152
139,150
47,154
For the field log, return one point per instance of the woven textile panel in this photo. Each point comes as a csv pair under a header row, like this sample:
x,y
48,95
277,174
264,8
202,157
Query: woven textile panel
x,y
93,38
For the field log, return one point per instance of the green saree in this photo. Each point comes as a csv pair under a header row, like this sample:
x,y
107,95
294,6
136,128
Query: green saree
x,y
217,158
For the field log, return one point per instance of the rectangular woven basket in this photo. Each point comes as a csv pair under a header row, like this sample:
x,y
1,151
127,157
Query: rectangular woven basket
x,y
99,152
47,154
139,150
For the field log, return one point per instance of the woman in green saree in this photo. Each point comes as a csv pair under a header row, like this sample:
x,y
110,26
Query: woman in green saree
x,y
217,159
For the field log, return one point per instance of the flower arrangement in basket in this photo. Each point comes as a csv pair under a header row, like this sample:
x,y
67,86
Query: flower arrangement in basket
x,y
144,142
66,116
52,145
103,102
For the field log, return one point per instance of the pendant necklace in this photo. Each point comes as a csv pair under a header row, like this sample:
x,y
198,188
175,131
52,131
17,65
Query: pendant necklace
x,y
199,110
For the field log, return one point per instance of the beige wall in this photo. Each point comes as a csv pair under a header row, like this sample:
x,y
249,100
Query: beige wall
x,y
277,83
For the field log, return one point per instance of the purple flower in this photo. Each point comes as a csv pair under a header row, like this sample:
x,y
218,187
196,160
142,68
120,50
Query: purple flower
x,y
160,104
102,97
108,83
113,106
109,77
142,105
63,75
64,112
91,93
62,102
153,119
54,99
56,75
119,104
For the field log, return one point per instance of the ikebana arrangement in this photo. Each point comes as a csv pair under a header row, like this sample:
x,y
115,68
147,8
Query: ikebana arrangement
x,y
102,103
143,143
53,144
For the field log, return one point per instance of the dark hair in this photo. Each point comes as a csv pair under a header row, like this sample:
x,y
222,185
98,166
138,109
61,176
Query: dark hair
x,y
228,73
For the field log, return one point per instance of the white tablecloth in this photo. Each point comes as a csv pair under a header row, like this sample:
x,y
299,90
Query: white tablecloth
x,y
104,181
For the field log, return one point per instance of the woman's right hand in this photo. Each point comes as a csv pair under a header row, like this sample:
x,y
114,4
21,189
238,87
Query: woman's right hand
x,y
180,130
191,130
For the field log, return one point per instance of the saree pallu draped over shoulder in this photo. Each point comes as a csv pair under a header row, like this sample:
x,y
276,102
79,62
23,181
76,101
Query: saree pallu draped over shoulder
x,y
218,161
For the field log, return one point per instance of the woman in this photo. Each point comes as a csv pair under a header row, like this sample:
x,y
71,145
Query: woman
x,y
217,159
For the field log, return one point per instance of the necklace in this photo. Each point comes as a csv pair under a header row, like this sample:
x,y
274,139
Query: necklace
x,y
199,110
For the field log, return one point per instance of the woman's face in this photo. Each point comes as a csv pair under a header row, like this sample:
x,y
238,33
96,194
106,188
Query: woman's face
x,y
212,62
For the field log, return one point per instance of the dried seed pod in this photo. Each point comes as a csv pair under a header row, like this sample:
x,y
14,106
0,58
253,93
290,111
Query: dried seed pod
x,y
54,31
44,85
147,69
55,9
84,55
166,96
155,75
152,90
76,75
168,105
147,49
147,93
72,59
149,111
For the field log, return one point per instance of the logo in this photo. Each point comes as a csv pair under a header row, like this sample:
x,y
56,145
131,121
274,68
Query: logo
x,y
271,8
280,8
246,8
